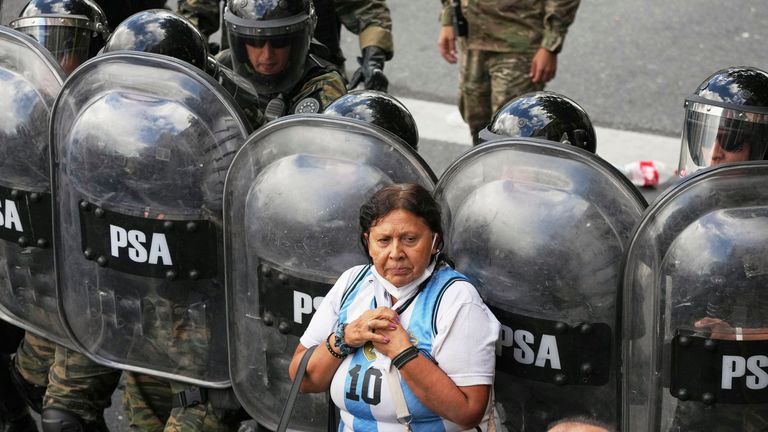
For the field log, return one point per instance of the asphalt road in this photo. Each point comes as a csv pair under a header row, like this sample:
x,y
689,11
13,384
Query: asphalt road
x,y
629,63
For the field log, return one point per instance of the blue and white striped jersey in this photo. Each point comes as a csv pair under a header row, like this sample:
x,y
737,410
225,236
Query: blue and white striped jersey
x,y
447,321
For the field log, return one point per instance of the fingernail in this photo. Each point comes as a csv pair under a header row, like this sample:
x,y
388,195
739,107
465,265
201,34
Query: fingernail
x,y
392,326
386,340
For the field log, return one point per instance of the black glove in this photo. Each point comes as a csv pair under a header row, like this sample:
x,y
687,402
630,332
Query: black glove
x,y
371,70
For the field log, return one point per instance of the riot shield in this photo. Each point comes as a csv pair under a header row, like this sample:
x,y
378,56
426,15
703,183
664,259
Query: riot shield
x,y
30,79
541,228
696,306
140,147
292,205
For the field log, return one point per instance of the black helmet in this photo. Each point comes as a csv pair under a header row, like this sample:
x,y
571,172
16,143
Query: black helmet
x,y
543,114
726,119
72,30
380,109
269,40
119,10
161,32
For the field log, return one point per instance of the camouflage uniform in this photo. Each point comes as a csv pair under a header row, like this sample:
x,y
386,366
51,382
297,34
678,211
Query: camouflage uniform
x,y
73,382
81,386
370,19
148,402
496,55
34,359
325,88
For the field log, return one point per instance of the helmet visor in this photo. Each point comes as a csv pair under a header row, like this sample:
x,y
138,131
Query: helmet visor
x,y
273,63
69,45
714,135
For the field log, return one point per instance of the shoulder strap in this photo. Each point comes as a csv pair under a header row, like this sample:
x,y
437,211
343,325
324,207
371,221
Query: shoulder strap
x,y
404,416
285,416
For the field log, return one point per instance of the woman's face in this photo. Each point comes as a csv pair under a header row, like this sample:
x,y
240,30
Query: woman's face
x,y
400,245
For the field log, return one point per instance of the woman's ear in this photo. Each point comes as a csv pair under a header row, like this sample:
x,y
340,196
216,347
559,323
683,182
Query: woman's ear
x,y
365,240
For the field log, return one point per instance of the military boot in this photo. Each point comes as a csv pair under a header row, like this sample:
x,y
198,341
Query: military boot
x,y
14,413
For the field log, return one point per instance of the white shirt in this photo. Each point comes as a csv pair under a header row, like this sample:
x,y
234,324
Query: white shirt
x,y
460,336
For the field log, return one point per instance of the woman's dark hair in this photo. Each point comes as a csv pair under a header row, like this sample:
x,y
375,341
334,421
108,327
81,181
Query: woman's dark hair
x,y
406,196
583,421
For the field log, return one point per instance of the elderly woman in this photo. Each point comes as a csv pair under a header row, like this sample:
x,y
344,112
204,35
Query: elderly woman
x,y
405,330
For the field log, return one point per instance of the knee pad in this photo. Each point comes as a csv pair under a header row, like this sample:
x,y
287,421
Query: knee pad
x,y
59,420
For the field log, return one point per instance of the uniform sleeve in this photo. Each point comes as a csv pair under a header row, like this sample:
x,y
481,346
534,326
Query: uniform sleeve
x,y
446,13
325,88
370,19
465,345
326,317
558,16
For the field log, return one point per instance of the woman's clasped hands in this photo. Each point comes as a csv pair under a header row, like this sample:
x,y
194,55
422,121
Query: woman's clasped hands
x,y
380,326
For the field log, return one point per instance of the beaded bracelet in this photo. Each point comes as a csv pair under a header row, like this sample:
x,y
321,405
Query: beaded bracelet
x,y
344,349
333,353
405,356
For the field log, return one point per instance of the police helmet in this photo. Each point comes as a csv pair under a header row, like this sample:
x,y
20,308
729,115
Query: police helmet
x,y
380,109
726,120
72,30
119,10
543,114
161,32
269,41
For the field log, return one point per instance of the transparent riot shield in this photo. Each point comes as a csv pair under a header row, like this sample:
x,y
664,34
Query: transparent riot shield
x,y
292,205
140,146
696,306
30,79
541,228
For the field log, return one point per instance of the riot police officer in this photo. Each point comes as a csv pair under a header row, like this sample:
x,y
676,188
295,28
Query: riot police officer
x,y
76,389
694,257
546,115
380,109
530,223
726,120
78,33
151,401
159,313
270,47
370,20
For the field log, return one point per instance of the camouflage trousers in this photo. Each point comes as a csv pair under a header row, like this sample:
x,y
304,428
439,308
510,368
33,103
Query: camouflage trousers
x,y
148,403
74,382
488,80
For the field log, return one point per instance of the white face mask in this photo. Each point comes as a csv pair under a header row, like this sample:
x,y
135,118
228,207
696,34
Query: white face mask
x,y
407,290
